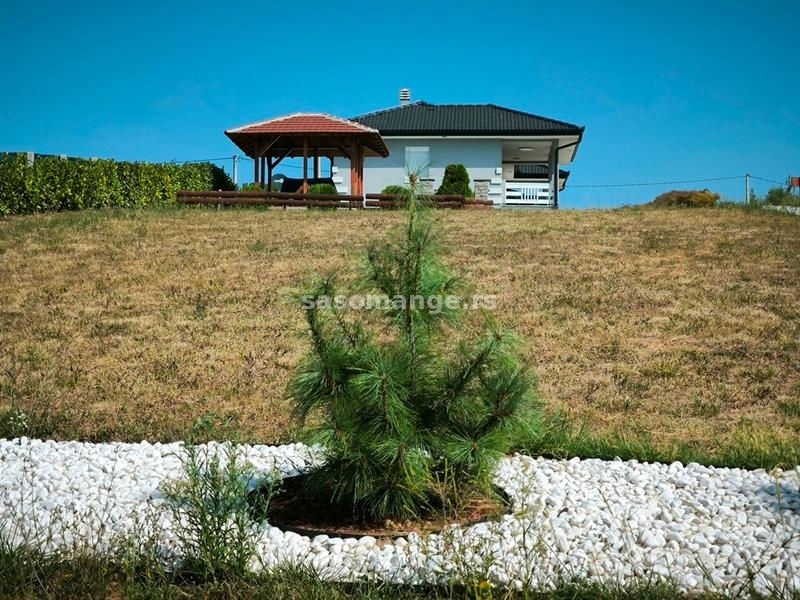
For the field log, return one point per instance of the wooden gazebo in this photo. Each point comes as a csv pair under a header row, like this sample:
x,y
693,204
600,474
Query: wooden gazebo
x,y
310,135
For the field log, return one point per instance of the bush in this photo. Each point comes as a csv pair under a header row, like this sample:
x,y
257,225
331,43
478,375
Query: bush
x,y
322,188
779,196
220,180
455,182
395,190
401,409
251,187
686,198
58,184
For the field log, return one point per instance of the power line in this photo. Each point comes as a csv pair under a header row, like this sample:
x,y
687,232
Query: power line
x,y
202,160
608,185
768,180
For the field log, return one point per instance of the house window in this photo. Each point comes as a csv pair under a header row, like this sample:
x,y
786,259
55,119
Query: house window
x,y
418,160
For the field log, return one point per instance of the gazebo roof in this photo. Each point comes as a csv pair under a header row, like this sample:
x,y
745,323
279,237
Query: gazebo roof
x,y
287,135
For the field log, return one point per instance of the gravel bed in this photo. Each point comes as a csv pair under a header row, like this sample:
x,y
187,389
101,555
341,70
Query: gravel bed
x,y
704,528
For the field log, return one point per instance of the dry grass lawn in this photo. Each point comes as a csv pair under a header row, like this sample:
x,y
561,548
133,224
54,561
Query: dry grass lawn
x,y
683,325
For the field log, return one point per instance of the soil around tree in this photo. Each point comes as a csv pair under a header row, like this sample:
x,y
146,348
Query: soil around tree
x,y
290,508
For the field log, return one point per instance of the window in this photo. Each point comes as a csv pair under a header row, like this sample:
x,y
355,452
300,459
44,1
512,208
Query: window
x,y
418,160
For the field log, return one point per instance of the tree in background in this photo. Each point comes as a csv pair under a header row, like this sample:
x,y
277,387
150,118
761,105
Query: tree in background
x,y
779,196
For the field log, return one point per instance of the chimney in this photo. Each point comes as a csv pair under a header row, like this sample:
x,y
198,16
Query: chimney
x,y
405,97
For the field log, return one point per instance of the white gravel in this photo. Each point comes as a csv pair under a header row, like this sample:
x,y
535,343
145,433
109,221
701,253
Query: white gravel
x,y
617,522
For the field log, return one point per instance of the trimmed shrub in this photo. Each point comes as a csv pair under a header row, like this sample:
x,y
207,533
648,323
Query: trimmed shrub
x,y
322,188
686,198
455,182
58,184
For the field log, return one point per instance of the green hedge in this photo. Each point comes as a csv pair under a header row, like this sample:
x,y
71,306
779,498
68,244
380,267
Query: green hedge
x,y
57,184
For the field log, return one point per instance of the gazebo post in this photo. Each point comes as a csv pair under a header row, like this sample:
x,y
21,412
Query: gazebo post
x,y
263,162
255,165
316,163
357,169
305,164
269,173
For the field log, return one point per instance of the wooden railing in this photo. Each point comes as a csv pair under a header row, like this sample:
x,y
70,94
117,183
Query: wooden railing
x,y
438,201
283,199
266,198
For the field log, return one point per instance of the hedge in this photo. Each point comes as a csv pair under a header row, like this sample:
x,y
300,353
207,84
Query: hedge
x,y
58,184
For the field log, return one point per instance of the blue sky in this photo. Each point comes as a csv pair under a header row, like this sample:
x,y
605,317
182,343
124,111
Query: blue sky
x,y
668,91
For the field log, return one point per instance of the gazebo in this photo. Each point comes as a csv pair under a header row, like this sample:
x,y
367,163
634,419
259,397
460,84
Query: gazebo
x,y
310,135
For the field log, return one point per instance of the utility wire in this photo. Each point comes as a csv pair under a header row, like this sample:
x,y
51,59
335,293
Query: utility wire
x,y
608,185
768,180
202,160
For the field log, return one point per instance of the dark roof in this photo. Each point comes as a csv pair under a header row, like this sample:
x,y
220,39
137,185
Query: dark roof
x,y
422,118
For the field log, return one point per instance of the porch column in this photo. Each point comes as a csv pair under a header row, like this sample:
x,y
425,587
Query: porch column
x,y
554,172
269,173
316,163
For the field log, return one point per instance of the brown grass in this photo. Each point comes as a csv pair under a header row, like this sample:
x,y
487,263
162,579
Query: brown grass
x,y
680,324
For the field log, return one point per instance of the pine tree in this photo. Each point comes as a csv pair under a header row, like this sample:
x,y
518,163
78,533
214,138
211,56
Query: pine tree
x,y
397,415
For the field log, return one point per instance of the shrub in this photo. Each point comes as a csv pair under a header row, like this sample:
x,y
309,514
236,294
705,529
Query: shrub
x,y
686,198
395,190
220,180
58,184
322,188
455,182
251,187
399,411
779,196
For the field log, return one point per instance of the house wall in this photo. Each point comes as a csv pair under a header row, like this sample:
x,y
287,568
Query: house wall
x,y
480,156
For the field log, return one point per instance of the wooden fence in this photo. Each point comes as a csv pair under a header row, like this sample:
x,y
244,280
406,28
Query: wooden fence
x,y
266,198
396,201
284,199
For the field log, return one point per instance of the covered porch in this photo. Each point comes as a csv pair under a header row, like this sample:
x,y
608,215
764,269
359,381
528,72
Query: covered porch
x,y
530,174
312,137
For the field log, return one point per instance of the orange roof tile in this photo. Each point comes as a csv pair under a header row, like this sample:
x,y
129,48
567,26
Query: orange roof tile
x,y
304,123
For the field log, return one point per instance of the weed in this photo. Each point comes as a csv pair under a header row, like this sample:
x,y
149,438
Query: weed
x,y
211,512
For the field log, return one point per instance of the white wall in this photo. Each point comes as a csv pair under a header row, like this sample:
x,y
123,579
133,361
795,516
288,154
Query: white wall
x,y
480,156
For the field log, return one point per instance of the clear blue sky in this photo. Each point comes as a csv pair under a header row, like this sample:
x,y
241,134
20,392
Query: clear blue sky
x,y
667,90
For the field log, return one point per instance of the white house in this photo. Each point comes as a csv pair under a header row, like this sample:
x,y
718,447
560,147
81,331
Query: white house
x,y
511,156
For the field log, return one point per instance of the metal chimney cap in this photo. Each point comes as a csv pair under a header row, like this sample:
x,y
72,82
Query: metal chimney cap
x,y
405,96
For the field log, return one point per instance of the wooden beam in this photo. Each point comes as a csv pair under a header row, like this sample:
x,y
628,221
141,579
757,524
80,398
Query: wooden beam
x,y
279,158
316,163
357,169
305,164
263,160
266,148
347,153
255,165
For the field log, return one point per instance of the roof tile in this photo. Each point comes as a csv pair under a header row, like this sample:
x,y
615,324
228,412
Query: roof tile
x,y
421,118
